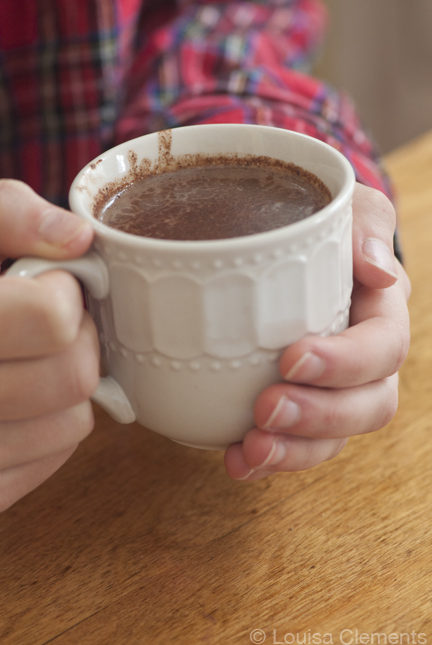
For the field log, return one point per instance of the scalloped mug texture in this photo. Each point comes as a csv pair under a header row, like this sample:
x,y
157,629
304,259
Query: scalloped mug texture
x,y
191,332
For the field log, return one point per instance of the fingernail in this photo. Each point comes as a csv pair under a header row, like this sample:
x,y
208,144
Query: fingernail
x,y
59,227
285,414
276,455
246,476
308,368
379,254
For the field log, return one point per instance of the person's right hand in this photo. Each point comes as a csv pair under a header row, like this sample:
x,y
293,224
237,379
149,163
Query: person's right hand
x,y
49,353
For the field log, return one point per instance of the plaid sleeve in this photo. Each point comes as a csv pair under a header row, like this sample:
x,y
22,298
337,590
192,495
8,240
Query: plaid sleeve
x,y
77,77
243,62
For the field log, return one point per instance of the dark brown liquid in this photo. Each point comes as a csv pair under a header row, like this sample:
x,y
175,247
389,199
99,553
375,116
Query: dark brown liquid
x,y
215,201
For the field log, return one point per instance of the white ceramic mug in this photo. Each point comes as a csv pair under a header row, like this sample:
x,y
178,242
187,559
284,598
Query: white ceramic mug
x,y
191,332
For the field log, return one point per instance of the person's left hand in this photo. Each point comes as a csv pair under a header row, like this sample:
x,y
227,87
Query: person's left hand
x,y
342,385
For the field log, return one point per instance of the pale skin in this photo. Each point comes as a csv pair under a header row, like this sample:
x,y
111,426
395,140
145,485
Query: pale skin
x,y
330,388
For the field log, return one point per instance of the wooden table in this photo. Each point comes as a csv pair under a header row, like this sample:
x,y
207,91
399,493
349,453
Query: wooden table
x,y
137,540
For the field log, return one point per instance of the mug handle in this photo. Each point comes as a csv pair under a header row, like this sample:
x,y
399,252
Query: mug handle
x,y
91,270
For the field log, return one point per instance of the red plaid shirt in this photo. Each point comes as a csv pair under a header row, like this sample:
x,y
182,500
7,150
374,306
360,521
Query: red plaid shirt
x,y
77,76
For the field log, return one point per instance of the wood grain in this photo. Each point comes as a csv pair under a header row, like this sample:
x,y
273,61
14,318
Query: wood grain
x,y
137,540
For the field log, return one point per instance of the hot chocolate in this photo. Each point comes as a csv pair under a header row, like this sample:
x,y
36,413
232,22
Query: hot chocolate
x,y
214,199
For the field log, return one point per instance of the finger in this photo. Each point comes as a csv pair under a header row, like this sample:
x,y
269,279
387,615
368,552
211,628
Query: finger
x,y
29,225
38,316
17,482
32,388
33,439
324,413
263,453
404,281
373,348
374,222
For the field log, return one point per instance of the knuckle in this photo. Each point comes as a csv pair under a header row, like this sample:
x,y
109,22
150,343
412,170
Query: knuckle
x,y
401,333
382,204
396,343
339,446
406,283
390,401
60,313
13,192
375,201
85,377
403,349
86,421
11,185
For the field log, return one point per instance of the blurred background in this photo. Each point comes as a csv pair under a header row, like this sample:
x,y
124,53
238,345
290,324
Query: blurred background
x,y
380,52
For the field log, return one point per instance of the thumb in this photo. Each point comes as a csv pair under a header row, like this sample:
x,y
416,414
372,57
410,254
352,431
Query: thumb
x,y
374,222
29,225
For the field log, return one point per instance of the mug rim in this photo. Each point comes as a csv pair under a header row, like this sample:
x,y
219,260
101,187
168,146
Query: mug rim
x,y
157,244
